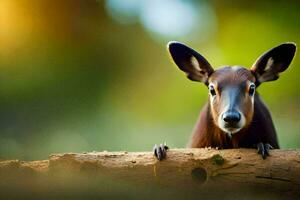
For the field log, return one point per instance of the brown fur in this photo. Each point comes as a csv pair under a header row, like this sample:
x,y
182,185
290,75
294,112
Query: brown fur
x,y
230,105
206,132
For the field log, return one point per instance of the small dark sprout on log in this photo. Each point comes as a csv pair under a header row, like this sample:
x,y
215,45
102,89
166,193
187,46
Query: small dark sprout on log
x,y
218,159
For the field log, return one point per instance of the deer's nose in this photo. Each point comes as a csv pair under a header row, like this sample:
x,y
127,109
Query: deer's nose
x,y
231,116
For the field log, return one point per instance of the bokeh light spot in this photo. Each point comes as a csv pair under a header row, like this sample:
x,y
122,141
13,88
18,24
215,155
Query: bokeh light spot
x,y
166,19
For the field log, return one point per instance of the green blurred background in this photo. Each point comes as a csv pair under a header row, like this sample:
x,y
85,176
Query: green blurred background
x,y
95,75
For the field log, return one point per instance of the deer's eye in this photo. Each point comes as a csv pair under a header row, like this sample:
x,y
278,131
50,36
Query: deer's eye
x,y
212,90
251,89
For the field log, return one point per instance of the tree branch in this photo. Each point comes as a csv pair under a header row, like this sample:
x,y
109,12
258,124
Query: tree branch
x,y
183,168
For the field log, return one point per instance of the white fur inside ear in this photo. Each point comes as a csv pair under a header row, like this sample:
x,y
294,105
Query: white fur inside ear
x,y
195,63
269,72
270,63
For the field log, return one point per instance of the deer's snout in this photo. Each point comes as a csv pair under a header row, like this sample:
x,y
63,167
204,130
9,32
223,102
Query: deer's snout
x,y
231,117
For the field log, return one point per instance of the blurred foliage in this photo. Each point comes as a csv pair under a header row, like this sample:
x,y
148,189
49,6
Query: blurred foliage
x,y
74,78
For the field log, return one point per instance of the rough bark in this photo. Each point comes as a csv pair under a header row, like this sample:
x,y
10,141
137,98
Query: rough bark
x,y
199,169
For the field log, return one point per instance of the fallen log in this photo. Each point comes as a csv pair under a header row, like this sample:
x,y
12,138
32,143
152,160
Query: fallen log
x,y
207,172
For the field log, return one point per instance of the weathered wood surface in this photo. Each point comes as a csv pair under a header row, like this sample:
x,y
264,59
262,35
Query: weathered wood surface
x,y
183,168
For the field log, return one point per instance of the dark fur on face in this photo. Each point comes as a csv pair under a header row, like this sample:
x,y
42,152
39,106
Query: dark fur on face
x,y
232,85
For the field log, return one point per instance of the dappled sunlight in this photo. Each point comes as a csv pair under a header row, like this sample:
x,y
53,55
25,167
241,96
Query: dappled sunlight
x,y
16,27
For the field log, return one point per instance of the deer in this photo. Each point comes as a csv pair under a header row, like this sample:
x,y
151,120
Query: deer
x,y
234,115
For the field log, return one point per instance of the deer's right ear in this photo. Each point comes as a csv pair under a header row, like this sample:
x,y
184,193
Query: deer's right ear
x,y
191,62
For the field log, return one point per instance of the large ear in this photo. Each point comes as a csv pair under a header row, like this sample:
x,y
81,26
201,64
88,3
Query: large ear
x,y
192,63
268,66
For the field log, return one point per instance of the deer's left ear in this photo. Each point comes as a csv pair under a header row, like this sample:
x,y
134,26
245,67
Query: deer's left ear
x,y
268,66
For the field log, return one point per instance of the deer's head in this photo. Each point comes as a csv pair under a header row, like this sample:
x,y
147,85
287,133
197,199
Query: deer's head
x,y
232,88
